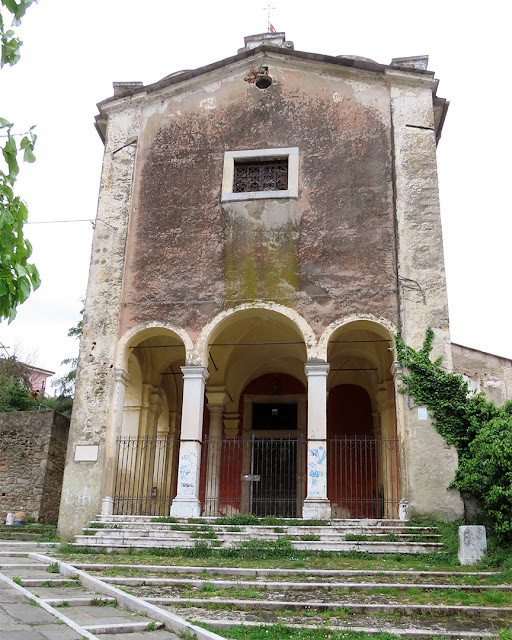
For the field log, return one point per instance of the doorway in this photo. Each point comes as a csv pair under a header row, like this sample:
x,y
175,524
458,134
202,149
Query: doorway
x,y
274,477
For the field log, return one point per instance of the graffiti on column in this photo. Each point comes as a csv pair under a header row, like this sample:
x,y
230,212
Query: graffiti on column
x,y
77,500
317,471
187,472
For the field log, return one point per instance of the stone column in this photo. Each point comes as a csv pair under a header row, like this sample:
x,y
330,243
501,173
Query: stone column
x,y
169,458
156,401
121,380
316,504
216,408
186,503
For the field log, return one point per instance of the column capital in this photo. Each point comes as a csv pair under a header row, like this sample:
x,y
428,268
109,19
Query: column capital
x,y
194,372
120,375
156,401
216,397
231,423
317,368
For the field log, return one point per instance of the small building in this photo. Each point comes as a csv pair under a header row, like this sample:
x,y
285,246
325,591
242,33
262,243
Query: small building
x,y
266,225
33,378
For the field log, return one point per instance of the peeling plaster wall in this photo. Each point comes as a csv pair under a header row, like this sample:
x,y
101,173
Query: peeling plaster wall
x,y
83,485
326,253
484,372
428,463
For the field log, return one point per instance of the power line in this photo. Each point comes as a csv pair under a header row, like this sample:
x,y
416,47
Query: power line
x,y
91,220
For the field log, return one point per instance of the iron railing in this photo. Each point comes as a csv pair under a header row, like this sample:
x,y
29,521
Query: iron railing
x,y
145,475
363,477
260,476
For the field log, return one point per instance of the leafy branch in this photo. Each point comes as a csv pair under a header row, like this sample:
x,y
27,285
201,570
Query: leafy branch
x,y
17,275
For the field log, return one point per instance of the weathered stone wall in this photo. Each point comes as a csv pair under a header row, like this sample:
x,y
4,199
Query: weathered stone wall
x,y
32,455
331,251
83,480
484,372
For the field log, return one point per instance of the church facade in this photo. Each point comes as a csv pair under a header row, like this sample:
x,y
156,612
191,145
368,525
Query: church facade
x,y
266,225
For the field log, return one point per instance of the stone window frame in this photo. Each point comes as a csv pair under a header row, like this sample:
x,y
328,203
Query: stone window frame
x,y
292,153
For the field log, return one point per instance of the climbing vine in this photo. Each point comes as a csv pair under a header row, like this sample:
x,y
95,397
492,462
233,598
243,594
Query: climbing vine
x,y
480,431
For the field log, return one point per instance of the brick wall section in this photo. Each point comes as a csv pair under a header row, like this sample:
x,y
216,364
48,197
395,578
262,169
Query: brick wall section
x,y
32,455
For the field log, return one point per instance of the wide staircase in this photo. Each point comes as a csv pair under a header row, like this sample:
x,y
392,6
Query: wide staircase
x,y
373,536
410,587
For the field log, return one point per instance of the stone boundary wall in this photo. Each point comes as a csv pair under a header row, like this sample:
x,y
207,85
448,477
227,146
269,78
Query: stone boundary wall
x,y
485,372
33,448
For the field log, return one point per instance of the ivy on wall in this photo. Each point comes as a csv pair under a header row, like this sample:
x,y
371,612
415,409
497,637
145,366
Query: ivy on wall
x,y
480,431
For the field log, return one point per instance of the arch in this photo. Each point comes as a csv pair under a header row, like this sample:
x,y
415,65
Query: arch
x,y
367,321
148,330
217,324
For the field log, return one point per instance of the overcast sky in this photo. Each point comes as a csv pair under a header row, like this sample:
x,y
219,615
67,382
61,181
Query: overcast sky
x,y
73,51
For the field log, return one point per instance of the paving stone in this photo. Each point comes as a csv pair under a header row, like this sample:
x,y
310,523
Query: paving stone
x,y
21,634
28,614
10,596
4,618
59,632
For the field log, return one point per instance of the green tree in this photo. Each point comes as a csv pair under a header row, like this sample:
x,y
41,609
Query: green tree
x,y
15,390
17,275
480,431
65,385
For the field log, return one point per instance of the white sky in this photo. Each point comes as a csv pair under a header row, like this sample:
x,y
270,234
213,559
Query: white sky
x,y
73,51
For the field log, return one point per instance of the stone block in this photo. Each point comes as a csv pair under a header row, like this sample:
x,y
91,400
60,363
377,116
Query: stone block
x,y
472,544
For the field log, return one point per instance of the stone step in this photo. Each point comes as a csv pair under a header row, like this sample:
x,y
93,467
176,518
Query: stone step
x,y
364,608
329,526
126,542
212,520
122,627
324,533
38,582
77,601
404,632
255,572
296,586
20,535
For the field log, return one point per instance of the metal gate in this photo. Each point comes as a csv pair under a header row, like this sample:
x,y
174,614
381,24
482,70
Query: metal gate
x,y
145,475
363,477
260,476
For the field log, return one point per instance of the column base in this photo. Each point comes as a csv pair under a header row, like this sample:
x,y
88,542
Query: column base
x,y
316,509
107,506
184,507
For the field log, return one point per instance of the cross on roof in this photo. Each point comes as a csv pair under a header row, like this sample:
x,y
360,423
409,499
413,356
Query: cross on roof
x,y
268,9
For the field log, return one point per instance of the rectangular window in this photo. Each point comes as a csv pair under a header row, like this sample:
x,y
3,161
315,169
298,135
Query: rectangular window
x,y
260,173
264,175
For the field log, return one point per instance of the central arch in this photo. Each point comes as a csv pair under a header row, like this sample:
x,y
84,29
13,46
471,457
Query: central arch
x,y
253,459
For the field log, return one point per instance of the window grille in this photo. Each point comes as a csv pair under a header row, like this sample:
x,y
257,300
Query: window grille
x,y
263,175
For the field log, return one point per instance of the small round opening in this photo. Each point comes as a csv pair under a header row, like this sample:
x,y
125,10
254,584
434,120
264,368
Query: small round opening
x,y
263,81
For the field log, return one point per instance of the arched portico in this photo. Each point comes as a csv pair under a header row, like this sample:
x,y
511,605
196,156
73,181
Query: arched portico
x,y
145,425
363,473
266,427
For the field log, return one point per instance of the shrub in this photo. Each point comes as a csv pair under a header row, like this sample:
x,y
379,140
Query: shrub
x,y
480,431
